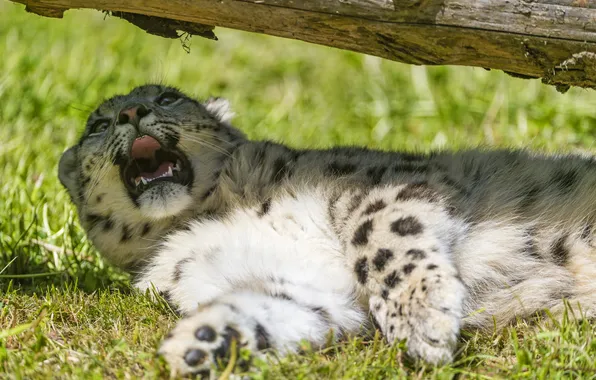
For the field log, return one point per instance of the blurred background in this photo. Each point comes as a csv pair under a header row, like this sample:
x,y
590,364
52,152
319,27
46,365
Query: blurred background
x,y
53,73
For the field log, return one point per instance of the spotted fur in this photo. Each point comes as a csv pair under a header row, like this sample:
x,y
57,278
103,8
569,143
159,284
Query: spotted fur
x,y
268,246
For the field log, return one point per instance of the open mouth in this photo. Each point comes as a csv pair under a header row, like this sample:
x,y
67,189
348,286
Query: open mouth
x,y
152,164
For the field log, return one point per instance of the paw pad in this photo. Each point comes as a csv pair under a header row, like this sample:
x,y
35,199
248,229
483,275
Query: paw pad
x,y
194,357
222,352
206,334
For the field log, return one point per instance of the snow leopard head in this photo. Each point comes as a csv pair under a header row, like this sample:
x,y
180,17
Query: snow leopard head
x,y
145,160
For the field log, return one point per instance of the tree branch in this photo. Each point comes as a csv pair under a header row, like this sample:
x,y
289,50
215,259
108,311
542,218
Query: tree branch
x,y
550,39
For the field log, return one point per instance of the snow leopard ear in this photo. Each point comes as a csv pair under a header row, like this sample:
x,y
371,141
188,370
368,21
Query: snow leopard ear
x,y
220,108
68,172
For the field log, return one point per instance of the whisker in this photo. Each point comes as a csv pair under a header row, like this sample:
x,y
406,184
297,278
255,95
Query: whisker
x,y
206,143
208,132
209,145
212,136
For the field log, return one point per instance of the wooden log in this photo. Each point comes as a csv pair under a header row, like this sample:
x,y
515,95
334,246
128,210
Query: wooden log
x,y
550,39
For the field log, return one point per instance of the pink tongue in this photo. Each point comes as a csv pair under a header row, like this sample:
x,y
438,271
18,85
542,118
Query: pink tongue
x,y
163,168
144,147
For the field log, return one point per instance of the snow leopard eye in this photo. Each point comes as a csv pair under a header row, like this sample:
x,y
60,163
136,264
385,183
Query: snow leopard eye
x,y
167,98
99,127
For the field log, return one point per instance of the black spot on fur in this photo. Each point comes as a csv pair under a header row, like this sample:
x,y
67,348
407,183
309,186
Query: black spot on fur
x,y
374,207
391,329
280,170
262,337
419,191
383,255
94,219
283,296
85,181
99,198
232,307
208,193
565,180
376,323
355,202
331,207
392,279
125,236
408,225
171,138
265,207
451,182
119,158
167,296
339,169
194,357
416,254
108,224
362,232
586,232
530,197
559,251
530,247
184,227
206,334
385,294
324,314
561,294
179,268
361,270
146,229
376,174
431,266
209,213
408,268
260,155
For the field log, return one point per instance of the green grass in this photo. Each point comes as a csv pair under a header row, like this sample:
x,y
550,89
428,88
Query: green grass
x,y
65,313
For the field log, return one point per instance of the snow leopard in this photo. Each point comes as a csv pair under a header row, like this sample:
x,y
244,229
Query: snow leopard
x,y
261,246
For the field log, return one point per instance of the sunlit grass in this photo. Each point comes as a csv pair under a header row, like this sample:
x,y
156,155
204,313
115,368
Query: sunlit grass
x,y
66,313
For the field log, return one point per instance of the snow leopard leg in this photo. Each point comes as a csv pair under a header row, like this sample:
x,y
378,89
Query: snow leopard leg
x,y
255,321
398,242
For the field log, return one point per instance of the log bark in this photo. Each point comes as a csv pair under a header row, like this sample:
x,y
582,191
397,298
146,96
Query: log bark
x,y
550,39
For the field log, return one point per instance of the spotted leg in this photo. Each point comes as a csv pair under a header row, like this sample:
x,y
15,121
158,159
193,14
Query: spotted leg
x,y
255,321
398,244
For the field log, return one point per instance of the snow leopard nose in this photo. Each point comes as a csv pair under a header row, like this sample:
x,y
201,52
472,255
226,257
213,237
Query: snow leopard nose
x,y
133,114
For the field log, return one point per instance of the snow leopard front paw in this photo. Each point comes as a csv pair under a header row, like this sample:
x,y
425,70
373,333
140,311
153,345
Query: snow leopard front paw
x,y
427,314
208,338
